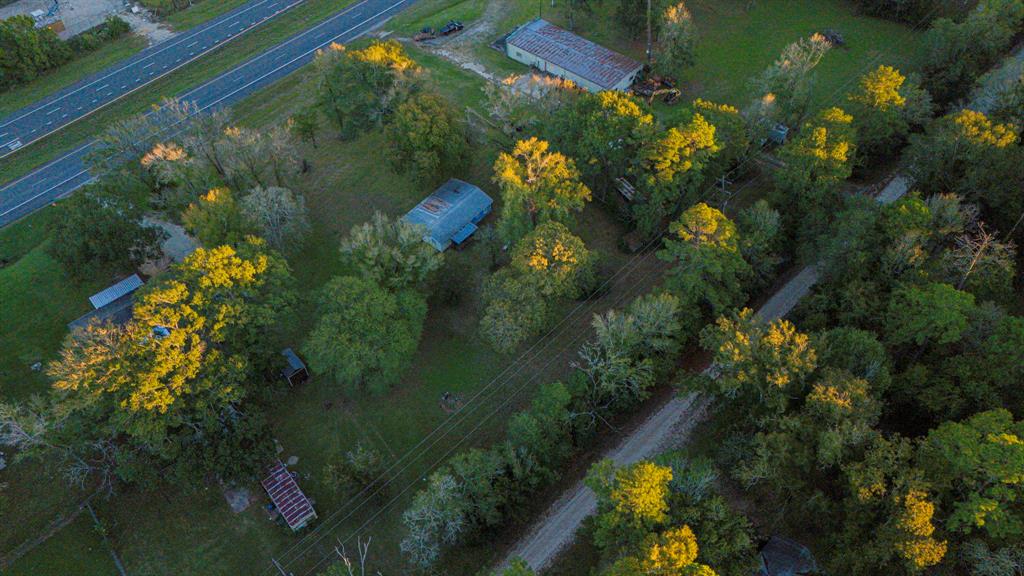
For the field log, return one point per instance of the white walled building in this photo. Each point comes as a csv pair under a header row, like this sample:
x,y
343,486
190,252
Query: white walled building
x,y
561,53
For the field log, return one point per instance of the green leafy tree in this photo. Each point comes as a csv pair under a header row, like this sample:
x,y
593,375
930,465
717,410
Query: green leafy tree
x,y
957,52
305,124
885,106
536,186
708,269
968,154
631,15
543,430
365,336
27,50
102,227
216,219
671,172
554,261
816,162
760,230
977,469
888,514
513,313
933,314
427,138
361,88
765,364
603,132
391,252
632,502
678,41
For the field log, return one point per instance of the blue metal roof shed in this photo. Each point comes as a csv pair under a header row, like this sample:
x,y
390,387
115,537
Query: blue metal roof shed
x,y
112,293
451,213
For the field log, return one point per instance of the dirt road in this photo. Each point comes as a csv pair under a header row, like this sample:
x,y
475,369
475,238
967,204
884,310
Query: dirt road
x,y
669,427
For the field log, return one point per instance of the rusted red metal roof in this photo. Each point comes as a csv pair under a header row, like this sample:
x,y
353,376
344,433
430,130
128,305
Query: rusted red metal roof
x,y
287,497
576,54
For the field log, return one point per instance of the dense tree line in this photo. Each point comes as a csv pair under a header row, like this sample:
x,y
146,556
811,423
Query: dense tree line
x,y
26,51
480,489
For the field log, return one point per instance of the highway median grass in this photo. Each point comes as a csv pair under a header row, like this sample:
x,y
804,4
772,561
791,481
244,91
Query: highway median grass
x,y
227,57
103,57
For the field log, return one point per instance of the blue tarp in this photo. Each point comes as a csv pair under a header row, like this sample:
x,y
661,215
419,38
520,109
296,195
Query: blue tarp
x,y
447,213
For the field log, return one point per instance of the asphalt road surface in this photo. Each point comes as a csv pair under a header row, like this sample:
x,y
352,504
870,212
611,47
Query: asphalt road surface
x,y
86,96
67,173
669,426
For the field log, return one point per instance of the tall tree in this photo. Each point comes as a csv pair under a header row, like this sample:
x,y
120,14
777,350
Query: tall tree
x,y
365,336
216,219
764,364
816,162
678,42
977,469
277,214
885,106
671,172
172,376
603,132
790,79
632,501
708,270
427,138
361,88
100,226
554,261
536,186
391,252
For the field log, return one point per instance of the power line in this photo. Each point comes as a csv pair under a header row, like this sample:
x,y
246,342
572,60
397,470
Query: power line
x,y
645,251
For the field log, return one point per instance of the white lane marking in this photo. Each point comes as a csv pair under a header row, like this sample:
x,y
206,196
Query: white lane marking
x,y
54,111
148,65
192,44
300,56
102,87
164,46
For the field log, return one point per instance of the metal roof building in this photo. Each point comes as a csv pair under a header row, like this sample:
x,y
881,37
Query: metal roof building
x,y
451,213
289,500
113,304
108,295
557,51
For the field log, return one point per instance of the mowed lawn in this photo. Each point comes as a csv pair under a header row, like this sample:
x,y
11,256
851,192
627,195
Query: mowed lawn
x,y
39,299
737,40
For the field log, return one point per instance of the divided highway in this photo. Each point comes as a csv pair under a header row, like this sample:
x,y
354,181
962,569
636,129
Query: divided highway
x,y
86,96
67,173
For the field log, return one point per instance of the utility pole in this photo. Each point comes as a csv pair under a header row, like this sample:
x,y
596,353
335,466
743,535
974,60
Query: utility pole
x,y
648,33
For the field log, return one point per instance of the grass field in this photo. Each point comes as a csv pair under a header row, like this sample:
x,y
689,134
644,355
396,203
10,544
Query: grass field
x,y
349,181
735,43
76,549
200,12
223,59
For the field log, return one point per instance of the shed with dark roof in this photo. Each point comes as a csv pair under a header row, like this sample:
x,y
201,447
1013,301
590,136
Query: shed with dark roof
x,y
450,215
557,51
784,557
